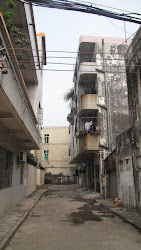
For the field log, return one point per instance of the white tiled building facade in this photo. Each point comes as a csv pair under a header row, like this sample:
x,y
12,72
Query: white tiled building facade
x,y
20,102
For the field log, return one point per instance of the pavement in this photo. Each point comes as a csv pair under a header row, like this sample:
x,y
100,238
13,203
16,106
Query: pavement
x,y
11,221
129,216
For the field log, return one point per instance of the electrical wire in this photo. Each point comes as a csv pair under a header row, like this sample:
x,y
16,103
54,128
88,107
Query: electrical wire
x,y
58,155
85,8
57,147
107,7
68,57
128,39
117,26
73,52
112,22
80,71
87,65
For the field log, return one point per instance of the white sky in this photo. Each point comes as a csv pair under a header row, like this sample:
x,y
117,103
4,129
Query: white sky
x,y
63,29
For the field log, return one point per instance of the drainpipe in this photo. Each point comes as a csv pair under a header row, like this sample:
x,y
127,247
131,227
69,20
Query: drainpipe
x,y
106,91
101,172
87,176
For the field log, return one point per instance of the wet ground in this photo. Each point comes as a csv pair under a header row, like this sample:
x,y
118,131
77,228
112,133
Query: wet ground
x,y
65,219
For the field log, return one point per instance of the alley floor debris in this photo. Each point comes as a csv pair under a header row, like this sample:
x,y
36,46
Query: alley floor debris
x,y
63,219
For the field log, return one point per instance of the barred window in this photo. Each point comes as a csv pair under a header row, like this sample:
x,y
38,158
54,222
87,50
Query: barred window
x,y
46,138
46,153
6,168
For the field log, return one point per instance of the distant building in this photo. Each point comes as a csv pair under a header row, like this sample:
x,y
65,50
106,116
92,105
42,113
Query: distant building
x,y
20,108
99,108
55,153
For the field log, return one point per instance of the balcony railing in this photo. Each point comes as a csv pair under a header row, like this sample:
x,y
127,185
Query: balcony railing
x,y
89,142
89,101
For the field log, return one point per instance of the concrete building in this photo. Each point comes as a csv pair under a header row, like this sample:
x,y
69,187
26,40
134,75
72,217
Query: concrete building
x,y
55,153
97,115
20,106
129,142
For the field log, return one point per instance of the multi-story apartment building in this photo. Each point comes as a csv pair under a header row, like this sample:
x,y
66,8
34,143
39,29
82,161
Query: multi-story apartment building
x,y
99,108
20,105
55,153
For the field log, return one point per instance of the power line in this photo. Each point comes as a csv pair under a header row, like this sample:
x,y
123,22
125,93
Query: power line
x,y
128,39
72,52
85,8
88,65
71,70
58,147
117,26
81,58
59,156
108,7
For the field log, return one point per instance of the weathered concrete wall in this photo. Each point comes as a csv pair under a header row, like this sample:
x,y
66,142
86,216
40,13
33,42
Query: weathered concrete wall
x,y
110,176
125,172
133,62
31,179
136,154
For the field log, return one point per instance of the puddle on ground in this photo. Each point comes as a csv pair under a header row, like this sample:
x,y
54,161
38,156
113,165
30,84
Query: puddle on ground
x,y
82,216
86,212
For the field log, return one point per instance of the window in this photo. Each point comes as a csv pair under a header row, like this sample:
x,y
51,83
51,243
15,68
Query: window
x,y
46,153
46,138
21,174
121,166
128,164
6,168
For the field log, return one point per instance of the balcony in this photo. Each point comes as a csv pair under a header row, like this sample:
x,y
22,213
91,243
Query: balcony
x,y
19,126
89,142
87,72
88,103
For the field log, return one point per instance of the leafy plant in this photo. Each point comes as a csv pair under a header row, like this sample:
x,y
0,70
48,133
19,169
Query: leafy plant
x,y
31,159
21,40
69,95
8,15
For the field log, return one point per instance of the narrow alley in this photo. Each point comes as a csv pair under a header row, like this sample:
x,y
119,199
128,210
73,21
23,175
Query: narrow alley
x,y
66,218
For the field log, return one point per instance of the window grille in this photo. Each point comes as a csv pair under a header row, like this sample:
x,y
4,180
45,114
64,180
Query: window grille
x,y
6,168
46,139
46,155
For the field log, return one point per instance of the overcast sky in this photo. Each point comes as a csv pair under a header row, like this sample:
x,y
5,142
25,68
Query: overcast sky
x,y
62,30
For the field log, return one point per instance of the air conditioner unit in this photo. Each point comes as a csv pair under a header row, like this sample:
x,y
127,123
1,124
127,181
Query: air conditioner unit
x,y
22,156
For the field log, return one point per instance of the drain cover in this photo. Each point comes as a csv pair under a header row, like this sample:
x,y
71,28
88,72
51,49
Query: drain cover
x,y
36,213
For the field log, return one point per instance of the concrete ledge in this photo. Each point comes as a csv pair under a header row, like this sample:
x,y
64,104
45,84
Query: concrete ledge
x,y
124,214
